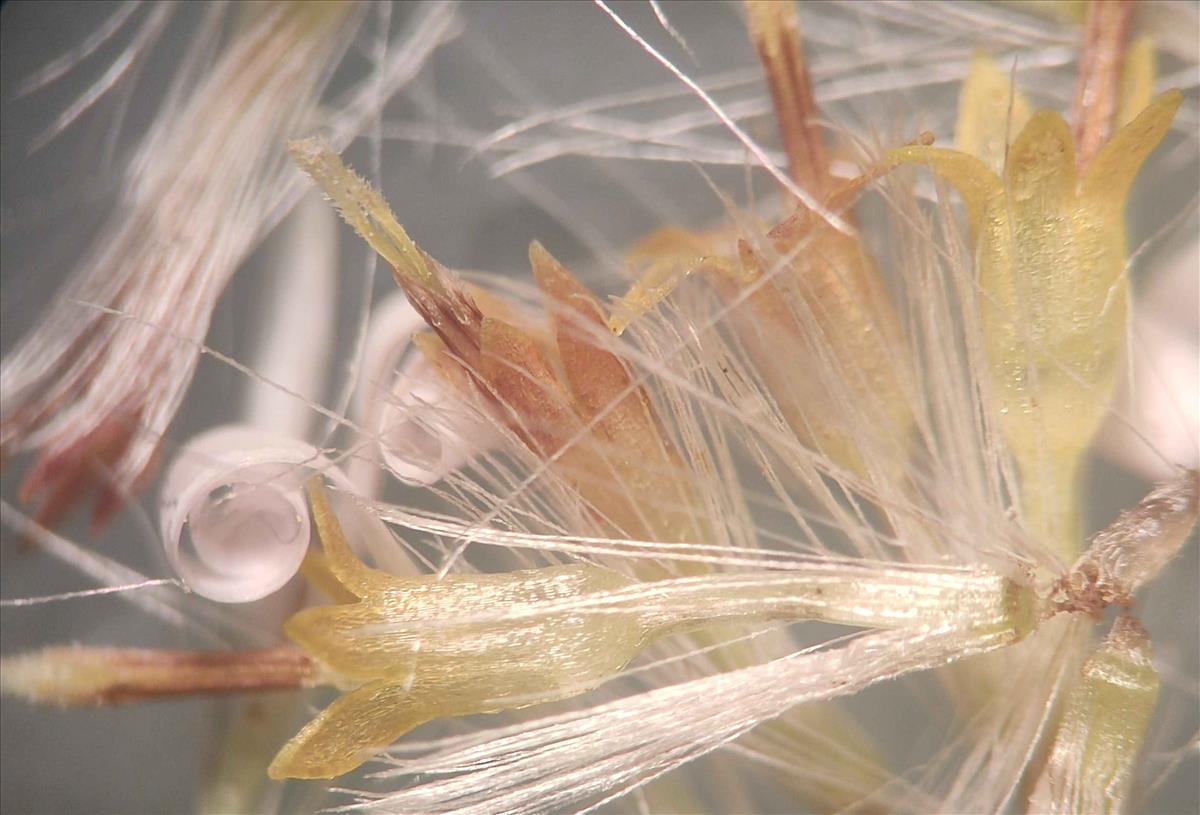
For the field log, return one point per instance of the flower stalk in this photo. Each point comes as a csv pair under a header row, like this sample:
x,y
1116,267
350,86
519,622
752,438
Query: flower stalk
x,y
775,32
78,676
1101,63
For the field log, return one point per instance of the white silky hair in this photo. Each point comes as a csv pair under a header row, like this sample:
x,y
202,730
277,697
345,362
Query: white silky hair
x,y
482,150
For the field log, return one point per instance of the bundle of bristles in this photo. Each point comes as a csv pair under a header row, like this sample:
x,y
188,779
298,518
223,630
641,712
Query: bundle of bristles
x,y
765,430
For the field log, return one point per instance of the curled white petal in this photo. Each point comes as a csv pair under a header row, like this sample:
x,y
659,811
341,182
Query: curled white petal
x,y
232,512
426,433
423,432
234,520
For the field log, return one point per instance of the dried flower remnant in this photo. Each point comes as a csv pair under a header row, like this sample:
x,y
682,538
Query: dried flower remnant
x,y
416,426
1133,549
93,389
806,296
595,426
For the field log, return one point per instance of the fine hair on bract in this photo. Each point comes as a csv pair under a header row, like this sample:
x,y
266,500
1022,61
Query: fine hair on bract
x,y
612,406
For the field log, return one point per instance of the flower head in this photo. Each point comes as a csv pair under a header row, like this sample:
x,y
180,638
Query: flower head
x,y
635,554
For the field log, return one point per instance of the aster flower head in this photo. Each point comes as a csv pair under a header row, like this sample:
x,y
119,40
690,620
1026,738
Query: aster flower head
x,y
710,509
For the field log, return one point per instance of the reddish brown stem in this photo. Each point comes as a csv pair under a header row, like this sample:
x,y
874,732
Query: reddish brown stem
x,y
775,32
75,675
1100,62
